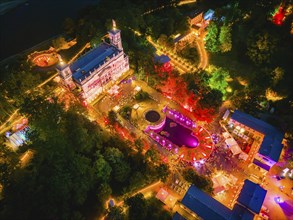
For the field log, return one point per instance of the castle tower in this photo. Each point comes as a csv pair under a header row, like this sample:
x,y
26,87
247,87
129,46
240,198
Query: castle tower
x,y
65,72
115,36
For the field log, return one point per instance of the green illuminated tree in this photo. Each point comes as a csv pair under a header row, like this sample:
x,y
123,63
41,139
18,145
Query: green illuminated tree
x,y
211,39
218,80
225,38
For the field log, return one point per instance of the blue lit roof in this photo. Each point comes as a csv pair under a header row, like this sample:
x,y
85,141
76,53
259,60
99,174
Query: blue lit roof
x,y
271,145
177,39
161,59
241,213
262,165
209,14
92,60
204,205
252,196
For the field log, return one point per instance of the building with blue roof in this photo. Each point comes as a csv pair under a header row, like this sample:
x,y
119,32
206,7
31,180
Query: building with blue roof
x,y
205,206
162,63
252,196
241,213
95,69
248,204
270,138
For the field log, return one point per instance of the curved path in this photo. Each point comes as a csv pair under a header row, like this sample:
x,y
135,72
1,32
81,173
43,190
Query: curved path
x,y
204,60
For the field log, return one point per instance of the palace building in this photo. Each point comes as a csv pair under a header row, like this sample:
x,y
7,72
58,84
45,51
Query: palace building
x,y
95,69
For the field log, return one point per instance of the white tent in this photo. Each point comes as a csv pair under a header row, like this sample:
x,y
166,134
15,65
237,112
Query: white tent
x,y
234,147
243,156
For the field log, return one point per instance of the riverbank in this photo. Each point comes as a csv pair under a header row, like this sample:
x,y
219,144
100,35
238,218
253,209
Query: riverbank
x,y
9,5
26,25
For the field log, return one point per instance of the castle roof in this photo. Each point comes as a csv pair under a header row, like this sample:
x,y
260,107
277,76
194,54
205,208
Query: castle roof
x,y
93,59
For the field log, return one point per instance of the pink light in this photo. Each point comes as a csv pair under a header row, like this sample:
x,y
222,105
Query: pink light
x,y
181,156
208,137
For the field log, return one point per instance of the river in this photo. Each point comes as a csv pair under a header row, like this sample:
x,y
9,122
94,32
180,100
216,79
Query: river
x,y
35,21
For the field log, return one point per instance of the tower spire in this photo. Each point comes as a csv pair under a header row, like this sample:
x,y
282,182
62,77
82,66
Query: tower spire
x,y
114,24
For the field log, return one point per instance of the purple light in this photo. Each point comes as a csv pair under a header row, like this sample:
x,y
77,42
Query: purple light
x,y
202,161
170,145
279,200
157,137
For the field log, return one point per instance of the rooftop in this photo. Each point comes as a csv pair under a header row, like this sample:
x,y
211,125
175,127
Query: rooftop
x,y
252,196
114,31
272,142
177,216
241,213
92,60
204,205
161,59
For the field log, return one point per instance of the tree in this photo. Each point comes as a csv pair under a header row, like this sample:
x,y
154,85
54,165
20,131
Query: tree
x,y
163,171
225,38
102,168
126,112
121,171
112,116
211,39
58,42
136,180
199,181
261,49
137,207
69,26
138,143
152,154
8,162
277,75
163,40
218,80
141,96
115,213
211,99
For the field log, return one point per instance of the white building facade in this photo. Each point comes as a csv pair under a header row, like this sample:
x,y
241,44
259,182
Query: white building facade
x,y
92,71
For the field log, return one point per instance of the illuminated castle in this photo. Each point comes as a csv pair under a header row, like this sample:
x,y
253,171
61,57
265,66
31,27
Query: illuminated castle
x,y
92,71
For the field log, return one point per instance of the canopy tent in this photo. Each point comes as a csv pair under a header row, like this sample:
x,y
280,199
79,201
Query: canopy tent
x,y
234,147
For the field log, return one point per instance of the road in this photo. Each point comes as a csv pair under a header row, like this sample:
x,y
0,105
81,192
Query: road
x,y
204,61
